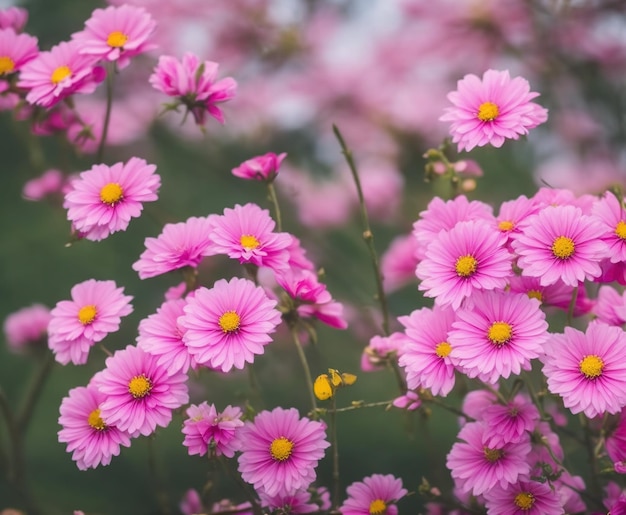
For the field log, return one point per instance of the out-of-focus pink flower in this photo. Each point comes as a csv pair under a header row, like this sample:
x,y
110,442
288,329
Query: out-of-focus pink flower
x,y
14,18
15,51
49,183
26,326
398,263
263,168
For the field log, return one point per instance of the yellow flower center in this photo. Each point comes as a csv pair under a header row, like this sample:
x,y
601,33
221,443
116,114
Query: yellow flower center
x,y
117,39
139,386
87,314
535,294
620,230
229,321
524,501
591,366
378,507
563,247
60,73
488,111
249,242
6,65
493,455
465,266
500,333
281,448
443,349
95,420
506,225
111,193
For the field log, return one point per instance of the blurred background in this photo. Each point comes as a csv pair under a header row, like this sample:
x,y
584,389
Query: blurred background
x,y
379,70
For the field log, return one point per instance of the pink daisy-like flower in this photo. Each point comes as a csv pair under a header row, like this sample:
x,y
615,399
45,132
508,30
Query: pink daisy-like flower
x,y
179,245
497,335
616,439
117,34
509,423
195,85
227,325
103,199
610,306
380,350
478,468
15,51
426,350
377,494
560,243
397,264
298,502
491,110
588,369
280,451
513,212
139,393
524,498
49,183
95,310
207,431
54,75
90,439
260,168
471,256
26,326
612,217
247,233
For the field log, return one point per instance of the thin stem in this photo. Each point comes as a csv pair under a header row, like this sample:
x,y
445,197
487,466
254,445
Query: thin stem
x,y
305,366
363,405
398,375
157,477
334,444
34,391
368,236
107,114
596,491
274,200
449,408
256,509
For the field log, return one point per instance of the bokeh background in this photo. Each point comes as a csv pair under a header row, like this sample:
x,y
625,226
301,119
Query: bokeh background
x,y
379,70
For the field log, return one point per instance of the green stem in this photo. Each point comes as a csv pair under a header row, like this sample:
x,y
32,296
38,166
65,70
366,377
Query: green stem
x,y
157,477
305,366
363,405
107,114
334,442
274,200
368,236
34,391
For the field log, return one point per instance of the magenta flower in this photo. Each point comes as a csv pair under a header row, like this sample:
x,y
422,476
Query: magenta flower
x,y
95,310
26,326
510,423
558,295
280,451
247,233
207,431
615,443
54,75
426,350
227,325
194,84
524,498
382,349
260,168
470,257
105,198
15,51
612,217
497,335
492,110
90,439
116,34
588,369
560,243
14,18
179,245
376,494
139,393
298,502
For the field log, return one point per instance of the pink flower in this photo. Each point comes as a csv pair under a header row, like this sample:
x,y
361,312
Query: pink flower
x,y
50,182
227,325
492,110
612,217
105,198
382,349
261,168
509,423
513,212
139,393
397,264
560,243
26,326
497,335
191,503
207,431
194,84
15,51
90,439
247,233
280,451
179,245
410,401
95,310
52,76
588,369
524,498
558,295
116,34
610,306
377,493
14,18
470,257
298,502
616,439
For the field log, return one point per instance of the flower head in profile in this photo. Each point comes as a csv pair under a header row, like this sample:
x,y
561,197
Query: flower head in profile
x,y
227,325
207,431
104,199
50,182
376,494
26,327
524,498
14,18
491,110
612,217
280,451
117,34
298,502
260,168
15,51
95,310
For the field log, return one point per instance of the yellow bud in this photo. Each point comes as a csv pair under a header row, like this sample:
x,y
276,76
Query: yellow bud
x,y
335,378
322,387
348,379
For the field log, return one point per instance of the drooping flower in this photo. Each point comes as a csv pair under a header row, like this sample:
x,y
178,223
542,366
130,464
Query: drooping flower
x,y
104,199
139,393
117,34
227,325
207,431
280,451
95,310
26,326
381,350
588,369
376,494
90,439
260,168
524,498
491,110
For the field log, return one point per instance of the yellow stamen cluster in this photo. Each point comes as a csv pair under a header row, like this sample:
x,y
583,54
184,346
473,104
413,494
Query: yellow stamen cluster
x,y
230,322
111,193
378,507
87,314
466,266
95,420
249,242
7,65
443,349
139,386
524,501
500,333
563,247
488,111
60,73
620,230
493,455
591,366
117,39
281,448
